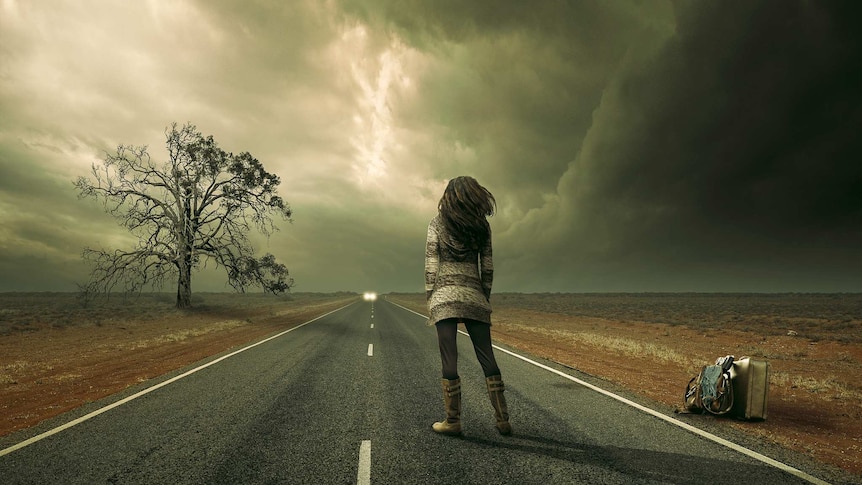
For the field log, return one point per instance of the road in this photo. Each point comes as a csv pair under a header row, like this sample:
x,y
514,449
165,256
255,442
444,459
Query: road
x,y
350,398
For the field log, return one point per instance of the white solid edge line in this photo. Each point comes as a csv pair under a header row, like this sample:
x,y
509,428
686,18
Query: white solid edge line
x,y
363,475
148,390
370,350
741,449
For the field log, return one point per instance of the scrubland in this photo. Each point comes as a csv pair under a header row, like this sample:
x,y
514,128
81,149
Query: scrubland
x,y
56,354
652,344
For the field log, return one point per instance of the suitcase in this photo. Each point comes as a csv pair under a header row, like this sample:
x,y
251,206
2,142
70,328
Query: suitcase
x,y
750,380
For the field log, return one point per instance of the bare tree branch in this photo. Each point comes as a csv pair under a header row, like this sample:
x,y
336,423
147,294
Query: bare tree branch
x,y
198,206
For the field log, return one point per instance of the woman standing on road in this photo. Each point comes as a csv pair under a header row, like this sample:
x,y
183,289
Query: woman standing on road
x,y
458,275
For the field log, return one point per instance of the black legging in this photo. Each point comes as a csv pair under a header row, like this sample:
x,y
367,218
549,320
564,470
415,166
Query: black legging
x,y
480,335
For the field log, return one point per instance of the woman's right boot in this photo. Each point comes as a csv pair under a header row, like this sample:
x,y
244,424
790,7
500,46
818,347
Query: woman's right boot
x,y
452,402
498,400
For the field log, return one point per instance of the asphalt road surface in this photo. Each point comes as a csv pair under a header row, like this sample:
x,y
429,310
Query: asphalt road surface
x,y
349,398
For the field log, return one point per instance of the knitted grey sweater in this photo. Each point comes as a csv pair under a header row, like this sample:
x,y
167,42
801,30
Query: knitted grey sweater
x,y
457,282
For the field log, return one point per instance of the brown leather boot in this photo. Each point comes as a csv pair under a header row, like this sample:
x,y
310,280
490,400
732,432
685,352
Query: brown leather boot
x,y
452,402
498,400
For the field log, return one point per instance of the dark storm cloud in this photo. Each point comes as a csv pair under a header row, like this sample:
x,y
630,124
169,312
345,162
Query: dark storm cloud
x,y
40,239
747,123
729,151
632,146
373,252
515,82
707,147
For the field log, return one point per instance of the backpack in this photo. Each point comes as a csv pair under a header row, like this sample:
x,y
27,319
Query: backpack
x,y
711,389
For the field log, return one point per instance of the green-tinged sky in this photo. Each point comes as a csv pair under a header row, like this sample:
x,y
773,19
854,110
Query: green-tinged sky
x,y
631,146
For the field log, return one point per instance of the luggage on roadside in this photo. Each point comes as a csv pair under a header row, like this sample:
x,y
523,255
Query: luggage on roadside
x,y
711,389
750,379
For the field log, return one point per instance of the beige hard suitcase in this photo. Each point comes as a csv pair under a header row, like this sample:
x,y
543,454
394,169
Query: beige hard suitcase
x,y
750,380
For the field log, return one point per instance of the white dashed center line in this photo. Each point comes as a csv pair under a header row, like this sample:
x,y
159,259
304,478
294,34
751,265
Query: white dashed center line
x,y
363,476
370,350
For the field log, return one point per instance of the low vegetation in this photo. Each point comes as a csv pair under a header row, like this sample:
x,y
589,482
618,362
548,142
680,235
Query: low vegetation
x,y
652,344
56,354
815,316
28,312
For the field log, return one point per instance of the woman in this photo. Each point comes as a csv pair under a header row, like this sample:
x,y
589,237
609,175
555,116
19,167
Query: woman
x,y
458,276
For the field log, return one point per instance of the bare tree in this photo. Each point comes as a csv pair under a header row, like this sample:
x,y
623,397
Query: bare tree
x,y
198,206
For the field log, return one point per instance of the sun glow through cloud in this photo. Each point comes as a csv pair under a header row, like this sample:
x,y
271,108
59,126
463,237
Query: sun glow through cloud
x,y
376,75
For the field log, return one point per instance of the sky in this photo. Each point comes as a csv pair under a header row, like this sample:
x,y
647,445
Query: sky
x,y
632,146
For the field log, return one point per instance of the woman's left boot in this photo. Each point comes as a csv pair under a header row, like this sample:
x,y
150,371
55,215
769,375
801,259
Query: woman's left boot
x,y
450,425
501,411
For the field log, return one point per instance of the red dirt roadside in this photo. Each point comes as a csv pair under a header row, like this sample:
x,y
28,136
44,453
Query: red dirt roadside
x,y
814,397
815,423
52,361
49,369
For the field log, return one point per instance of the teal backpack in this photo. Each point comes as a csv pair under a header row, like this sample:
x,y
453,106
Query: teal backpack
x,y
711,389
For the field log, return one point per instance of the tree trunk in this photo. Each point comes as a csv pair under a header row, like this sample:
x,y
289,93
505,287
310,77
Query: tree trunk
x,y
184,285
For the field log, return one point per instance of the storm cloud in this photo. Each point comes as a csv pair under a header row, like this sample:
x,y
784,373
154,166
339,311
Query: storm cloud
x,y
632,146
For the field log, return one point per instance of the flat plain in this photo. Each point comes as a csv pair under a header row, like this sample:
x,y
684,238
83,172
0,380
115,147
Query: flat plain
x,y
56,354
653,343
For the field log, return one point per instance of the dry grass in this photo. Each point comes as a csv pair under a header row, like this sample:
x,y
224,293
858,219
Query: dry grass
x,y
831,386
186,334
812,342
814,316
11,371
26,312
657,354
621,345
56,354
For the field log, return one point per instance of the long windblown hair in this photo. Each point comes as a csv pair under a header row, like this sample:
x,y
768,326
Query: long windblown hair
x,y
463,208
